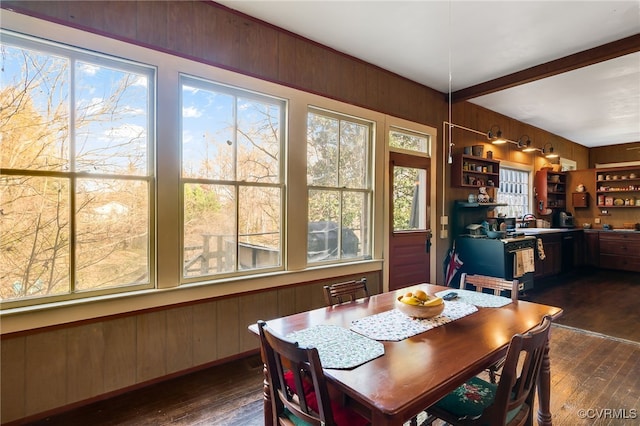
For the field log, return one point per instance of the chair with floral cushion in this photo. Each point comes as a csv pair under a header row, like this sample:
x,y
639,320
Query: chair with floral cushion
x,y
298,387
510,402
498,287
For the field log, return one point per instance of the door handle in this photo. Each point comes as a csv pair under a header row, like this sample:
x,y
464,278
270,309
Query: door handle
x,y
427,246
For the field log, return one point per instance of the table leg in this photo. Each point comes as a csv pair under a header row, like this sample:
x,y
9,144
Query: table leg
x,y
544,389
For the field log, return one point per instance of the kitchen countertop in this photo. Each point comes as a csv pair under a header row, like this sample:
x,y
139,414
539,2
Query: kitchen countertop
x,y
537,231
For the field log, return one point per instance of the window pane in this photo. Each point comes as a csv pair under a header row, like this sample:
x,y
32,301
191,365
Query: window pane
x,y
111,120
46,143
34,110
258,141
354,142
112,239
324,214
231,143
207,134
513,191
209,229
34,243
259,227
322,150
409,199
409,141
355,222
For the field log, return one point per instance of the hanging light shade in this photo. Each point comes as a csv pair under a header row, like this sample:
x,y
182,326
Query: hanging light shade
x,y
495,135
548,152
524,143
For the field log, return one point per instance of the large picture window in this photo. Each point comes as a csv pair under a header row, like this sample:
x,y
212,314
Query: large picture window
x,y
77,170
233,179
339,187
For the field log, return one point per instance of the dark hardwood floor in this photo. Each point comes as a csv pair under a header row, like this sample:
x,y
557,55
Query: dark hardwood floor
x,y
598,300
589,371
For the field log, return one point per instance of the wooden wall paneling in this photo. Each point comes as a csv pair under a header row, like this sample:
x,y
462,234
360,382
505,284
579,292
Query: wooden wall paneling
x,y
56,9
151,342
120,17
255,49
253,307
120,353
179,27
205,323
286,301
623,153
12,385
342,81
310,66
45,371
179,347
151,22
227,327
286,58
88,14
206,34
85,361
374,88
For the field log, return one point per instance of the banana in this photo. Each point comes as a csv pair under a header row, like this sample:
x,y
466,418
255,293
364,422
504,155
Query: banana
x,y
410,300
434,302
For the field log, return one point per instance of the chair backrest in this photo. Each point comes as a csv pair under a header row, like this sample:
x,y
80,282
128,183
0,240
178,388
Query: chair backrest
x,y
496,284
520,373
296,380
345,291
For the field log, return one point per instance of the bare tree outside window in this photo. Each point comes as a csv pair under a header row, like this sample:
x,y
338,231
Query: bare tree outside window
x,y
74,185
338,158
232,179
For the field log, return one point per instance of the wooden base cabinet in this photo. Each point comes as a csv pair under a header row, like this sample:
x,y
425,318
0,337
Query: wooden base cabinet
x,y
620,250
592,248
552,263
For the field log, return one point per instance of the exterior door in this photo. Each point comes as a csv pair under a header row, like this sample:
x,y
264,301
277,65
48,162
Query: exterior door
x,y
410,239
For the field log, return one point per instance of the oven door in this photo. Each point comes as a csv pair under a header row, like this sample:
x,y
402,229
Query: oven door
x,y
525,279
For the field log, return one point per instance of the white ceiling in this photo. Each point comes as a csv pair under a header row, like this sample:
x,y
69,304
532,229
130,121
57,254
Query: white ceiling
x,y
477,41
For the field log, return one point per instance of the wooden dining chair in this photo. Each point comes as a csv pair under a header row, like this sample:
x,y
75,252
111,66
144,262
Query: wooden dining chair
x,y
345,291
497,286
297,385
510,402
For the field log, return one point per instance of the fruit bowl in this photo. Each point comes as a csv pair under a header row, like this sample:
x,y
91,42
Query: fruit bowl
x,y
419,311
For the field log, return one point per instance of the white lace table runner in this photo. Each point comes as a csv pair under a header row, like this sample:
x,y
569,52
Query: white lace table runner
x,y
338,347
393,325
476,298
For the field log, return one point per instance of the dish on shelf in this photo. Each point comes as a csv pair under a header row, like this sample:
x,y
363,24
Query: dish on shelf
x,y
618,202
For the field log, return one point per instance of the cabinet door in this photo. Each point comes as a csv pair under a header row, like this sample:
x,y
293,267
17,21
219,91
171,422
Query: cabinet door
x,y
592,248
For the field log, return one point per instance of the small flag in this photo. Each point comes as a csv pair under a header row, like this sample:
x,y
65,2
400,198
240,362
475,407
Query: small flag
x,y
452,264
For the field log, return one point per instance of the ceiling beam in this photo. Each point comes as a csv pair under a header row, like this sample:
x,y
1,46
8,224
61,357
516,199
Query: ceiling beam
x,y
585,58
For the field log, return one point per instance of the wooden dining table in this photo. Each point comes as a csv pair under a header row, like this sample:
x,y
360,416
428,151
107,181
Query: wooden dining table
x,y
414,373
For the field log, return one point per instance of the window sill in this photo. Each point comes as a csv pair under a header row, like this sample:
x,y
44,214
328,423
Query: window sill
x,y
31,318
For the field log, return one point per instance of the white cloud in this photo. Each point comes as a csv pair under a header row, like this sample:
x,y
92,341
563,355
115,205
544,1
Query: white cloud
x,y
191,112
126,132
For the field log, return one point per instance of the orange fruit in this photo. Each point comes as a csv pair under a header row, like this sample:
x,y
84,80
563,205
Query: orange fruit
x,y
421,295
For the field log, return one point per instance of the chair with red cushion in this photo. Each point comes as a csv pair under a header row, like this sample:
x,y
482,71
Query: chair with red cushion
x,y
297,385
510,402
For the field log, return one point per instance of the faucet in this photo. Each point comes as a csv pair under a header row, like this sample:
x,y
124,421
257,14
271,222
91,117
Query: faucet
x,y
525,217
